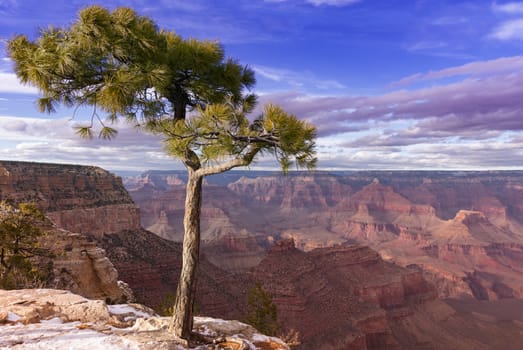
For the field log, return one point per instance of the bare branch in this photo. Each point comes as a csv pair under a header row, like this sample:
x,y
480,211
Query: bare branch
x,y
233,163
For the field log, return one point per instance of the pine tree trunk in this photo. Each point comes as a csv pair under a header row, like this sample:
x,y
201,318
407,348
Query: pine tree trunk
x,y
182,319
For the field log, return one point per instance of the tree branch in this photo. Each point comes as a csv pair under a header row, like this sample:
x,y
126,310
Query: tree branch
x,y
233,163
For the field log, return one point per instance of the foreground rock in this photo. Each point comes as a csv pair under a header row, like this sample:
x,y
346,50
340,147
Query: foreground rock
x,y
55,319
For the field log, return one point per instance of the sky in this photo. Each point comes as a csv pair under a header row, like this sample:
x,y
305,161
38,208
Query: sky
x,y
389,84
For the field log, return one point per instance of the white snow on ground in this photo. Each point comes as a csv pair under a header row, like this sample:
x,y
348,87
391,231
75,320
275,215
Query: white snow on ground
x,y
54,320
60,336
120,309
12,317
54,334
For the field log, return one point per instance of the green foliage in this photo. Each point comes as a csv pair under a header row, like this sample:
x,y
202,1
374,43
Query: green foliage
x,y
20,229
166,305
125,66
222,133
261,311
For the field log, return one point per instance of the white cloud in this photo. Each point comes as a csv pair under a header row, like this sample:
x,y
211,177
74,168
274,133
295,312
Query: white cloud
x,y
297,79
332,2
54,140
9,83
509,30
510,7
474,69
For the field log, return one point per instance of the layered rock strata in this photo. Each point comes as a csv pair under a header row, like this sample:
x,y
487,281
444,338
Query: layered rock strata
x,y
84,203
81,266
338,297
71,195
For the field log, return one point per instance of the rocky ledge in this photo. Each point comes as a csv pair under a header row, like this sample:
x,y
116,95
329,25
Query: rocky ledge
x,y
57,319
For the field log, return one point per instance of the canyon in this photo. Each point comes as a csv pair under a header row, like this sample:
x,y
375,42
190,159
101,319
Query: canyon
x,y
463,230
352,261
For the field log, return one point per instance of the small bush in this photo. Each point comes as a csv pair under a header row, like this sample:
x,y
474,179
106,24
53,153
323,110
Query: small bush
x,y
20,230
261,311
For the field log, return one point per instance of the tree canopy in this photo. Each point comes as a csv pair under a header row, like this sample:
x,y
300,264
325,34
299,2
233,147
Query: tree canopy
x,y
122,64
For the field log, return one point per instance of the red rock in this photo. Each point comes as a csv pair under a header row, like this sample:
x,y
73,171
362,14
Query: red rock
x,y
338,297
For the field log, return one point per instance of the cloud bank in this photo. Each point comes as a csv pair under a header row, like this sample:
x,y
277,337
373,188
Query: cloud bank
x,y
467,116
463,117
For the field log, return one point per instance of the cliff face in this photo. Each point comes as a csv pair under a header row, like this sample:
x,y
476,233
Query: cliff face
x,y
339,296
83,203
293,192
72,196
347,297
108,242
464,230
82,267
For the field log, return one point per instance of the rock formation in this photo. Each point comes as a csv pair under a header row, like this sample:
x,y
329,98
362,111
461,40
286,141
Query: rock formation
x,y
86,200
71,195
55,319
79,265
347,297
341,295
464,230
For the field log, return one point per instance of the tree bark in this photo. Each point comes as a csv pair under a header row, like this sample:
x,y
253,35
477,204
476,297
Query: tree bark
x,y
182,320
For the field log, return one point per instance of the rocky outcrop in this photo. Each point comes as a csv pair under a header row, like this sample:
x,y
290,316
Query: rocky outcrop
x,y
82,267
84,203
327,295
347,297
109,219
158,180
85,199
61,186
54,319
293,191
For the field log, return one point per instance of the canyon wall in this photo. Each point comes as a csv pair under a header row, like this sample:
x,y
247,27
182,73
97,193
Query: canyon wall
x,y
337,293
84,203
72,195
97,238
464,230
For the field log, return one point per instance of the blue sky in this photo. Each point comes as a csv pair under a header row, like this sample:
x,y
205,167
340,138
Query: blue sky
x,y
390,84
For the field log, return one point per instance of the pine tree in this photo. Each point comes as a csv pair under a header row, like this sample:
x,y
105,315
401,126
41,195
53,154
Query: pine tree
x,y
20,229
261,311
121,64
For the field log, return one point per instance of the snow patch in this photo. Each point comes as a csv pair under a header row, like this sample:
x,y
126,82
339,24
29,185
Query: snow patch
x,y
120,309
54,320
52,336
12,317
